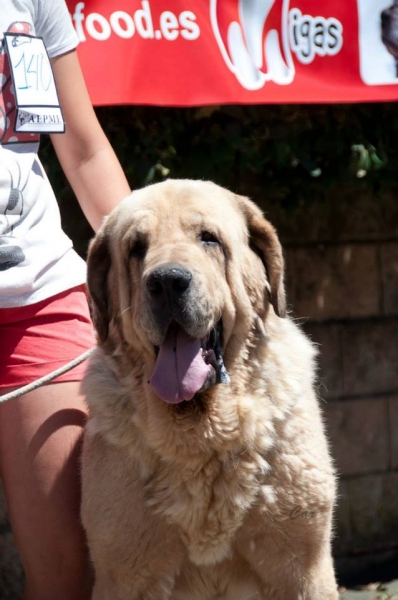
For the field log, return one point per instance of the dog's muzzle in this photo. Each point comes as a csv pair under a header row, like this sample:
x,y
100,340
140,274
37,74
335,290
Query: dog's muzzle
x,y
185,365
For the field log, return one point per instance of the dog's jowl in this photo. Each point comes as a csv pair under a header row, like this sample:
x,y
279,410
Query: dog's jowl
x,y
206,472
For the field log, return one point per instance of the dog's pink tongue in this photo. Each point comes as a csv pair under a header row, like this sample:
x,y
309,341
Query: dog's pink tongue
x,y
180,370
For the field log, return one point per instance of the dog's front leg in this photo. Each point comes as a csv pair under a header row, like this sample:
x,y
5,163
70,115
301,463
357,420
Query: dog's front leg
x,y
134,552
160,589
299,582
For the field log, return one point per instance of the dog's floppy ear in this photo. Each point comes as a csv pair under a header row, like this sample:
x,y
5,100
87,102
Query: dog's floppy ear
x,y
264,241
98,264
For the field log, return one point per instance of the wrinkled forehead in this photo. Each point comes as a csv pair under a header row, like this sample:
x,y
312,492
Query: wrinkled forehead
x,y
180,206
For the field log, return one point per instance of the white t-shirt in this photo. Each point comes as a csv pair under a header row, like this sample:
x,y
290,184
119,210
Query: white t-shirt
x,y
36,257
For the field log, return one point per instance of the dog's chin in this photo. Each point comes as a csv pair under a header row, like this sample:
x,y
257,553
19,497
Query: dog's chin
x,y
186,367
196,407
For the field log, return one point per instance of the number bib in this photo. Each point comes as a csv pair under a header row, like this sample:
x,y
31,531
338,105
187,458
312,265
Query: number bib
x,y
36,97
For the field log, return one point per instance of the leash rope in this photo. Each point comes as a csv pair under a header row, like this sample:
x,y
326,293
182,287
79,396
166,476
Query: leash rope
x,y
46,378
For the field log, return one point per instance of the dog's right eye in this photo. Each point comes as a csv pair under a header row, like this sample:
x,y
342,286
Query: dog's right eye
x,y
138,250
209,239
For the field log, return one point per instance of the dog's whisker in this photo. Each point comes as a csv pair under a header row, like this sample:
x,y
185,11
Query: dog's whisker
x,y
124,311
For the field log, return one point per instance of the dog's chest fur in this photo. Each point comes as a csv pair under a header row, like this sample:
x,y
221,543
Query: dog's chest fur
x,y
206,487
208,503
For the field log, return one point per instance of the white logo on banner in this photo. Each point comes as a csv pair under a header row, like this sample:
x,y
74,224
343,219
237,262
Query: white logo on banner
x,y
140,22
244,53
314,36
256,54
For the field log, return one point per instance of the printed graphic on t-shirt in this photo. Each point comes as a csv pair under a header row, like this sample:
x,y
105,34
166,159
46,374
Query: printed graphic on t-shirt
x,y
11,184
11,210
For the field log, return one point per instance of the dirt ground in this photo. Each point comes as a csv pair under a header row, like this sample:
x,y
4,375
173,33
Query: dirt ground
x,y
373,591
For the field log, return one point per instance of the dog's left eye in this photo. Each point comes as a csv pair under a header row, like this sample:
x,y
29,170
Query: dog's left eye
x,y
138,250
209,239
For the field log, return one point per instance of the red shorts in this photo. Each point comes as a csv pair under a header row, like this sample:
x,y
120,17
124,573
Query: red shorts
x,y
38,339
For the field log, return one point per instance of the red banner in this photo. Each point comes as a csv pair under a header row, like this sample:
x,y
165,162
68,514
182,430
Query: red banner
x,y
197,52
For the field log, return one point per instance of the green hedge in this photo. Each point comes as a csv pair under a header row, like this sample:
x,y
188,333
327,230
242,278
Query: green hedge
x,y
293,152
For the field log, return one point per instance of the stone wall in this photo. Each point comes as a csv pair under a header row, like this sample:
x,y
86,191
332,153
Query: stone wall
x,y
342,282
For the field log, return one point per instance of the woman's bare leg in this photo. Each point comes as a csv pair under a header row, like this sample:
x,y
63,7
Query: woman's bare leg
x,y
40,435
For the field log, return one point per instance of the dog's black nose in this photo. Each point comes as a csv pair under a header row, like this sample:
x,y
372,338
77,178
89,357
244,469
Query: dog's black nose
x,y
170,279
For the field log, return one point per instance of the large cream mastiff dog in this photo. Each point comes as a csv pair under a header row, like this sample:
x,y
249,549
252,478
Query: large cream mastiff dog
x,y
206,473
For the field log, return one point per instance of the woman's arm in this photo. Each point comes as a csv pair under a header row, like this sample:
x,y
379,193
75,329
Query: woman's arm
x,y
84,151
